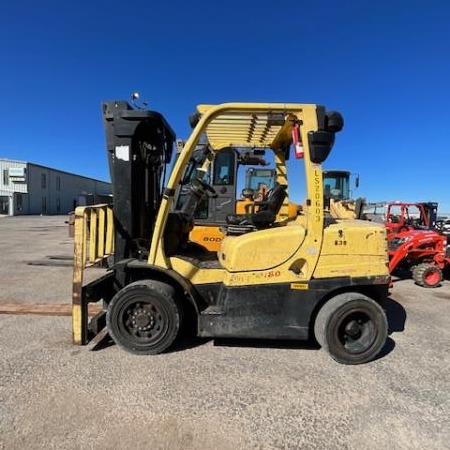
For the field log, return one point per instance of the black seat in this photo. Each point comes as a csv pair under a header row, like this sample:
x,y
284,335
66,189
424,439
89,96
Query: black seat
x,y
263,218
176,236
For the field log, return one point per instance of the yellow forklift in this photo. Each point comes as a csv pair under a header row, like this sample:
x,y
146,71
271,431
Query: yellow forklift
x,y
298,278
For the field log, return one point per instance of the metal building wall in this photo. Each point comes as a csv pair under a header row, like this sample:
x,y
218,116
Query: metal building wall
x,y
15,187
29,195
65,193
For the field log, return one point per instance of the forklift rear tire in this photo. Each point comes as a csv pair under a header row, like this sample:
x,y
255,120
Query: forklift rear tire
x,y
352,327
427,275
144,317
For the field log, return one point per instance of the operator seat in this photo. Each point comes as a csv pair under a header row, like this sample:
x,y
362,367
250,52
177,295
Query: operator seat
x,y
176,235
265,217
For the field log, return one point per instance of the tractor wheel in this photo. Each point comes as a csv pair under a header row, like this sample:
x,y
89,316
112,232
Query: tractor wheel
x,y
427,275
353,328
144,317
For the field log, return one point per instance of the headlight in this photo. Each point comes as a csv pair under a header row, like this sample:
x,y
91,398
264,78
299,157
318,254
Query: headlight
x,y
396,242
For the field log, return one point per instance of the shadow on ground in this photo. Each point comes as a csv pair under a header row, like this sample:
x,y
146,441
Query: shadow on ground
x,y
267,343
395,312
396,316
105,341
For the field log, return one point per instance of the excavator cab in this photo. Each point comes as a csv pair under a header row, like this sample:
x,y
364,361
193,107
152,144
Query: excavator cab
x,y
337,195
336,185
306,278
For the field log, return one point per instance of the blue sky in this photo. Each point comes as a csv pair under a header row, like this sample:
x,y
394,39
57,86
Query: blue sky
x,y
385,65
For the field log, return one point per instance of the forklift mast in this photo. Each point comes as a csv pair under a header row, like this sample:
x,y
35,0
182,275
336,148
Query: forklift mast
x,y
139,147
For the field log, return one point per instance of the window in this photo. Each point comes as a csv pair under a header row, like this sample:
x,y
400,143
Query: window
x,y
224,168
202,210
336,185
43,180
44,205
58,204
58,183
5,177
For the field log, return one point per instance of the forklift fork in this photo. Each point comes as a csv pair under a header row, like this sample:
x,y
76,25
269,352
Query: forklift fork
x,y
93,243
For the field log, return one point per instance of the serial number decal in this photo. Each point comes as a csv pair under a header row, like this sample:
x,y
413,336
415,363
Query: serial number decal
x,y
299,286
317,196
212,239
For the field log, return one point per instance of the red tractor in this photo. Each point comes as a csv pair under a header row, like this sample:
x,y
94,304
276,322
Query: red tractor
x,y
409,216
415,244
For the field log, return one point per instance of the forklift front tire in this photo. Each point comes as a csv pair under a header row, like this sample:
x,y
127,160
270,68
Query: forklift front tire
x,y
352,327
144,317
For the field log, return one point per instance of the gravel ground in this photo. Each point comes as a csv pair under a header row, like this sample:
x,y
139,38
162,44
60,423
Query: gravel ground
x,y
210,394
35,259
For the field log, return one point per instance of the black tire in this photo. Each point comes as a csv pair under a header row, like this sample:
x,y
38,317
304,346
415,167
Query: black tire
x,y
144,317
352,327
427,275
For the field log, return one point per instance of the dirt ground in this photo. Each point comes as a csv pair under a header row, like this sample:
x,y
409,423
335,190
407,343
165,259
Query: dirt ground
x,y
209,394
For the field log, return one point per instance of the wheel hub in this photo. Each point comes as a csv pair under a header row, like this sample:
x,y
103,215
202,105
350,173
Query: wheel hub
x,y
353,329
143,319
432,277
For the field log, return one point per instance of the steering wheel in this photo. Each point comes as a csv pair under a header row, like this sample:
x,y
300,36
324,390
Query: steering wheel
x,y
440,226
208,188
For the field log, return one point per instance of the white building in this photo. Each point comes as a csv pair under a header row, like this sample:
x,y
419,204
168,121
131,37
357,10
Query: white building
x,y
27,188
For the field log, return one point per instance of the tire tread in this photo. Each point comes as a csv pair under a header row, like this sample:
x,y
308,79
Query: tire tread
x,y
329,309
162,289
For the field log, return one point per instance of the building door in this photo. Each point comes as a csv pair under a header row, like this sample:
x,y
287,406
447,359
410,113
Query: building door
x,y
4,204
19,203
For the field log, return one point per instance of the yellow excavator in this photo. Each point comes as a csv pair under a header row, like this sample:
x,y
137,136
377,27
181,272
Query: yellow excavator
x,y
311,277
338,200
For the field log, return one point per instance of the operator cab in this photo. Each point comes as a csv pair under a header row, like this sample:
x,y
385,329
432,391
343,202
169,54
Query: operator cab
x,y
208,188
336,185
402,216
207,194
225,175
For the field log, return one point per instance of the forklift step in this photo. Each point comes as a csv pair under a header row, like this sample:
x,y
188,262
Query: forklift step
x,y
213,310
